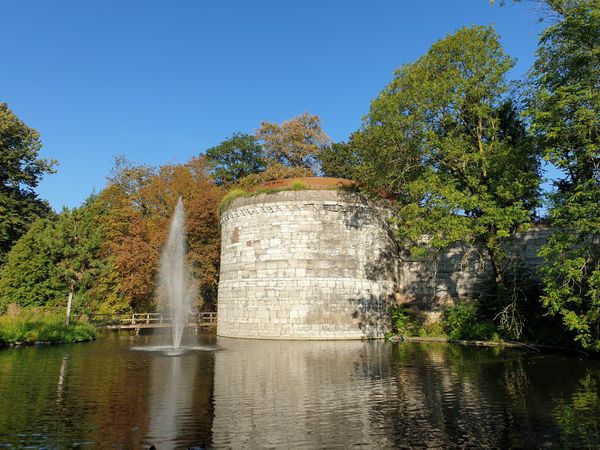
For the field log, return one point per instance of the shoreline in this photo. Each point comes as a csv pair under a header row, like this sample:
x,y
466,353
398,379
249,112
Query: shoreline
x,y
508,344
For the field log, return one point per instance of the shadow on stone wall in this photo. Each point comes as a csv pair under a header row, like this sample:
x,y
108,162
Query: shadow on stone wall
x,y
463,271
372,313
374,212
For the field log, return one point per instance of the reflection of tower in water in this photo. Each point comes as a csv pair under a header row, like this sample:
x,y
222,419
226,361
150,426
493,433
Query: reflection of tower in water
x,y
298,393
336,394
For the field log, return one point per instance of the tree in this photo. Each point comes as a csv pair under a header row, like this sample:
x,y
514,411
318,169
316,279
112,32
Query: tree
x,y
54,261
30,275
20,172
446,142
138,221
235,158
294,143
80,237
565,117
340,160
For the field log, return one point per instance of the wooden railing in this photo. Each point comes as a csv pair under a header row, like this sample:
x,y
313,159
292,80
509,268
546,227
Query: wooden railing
x,y
150,318
207,317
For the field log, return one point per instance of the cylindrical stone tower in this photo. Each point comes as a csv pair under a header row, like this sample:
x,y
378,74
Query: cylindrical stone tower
x,y
308,264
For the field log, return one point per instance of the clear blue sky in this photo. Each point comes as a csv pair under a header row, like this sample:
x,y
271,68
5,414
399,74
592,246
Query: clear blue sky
x,y
161,81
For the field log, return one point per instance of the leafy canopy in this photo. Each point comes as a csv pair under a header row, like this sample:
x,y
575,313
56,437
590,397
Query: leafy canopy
x,y
235,158
53,253
564,111
296,142
20,172
445,140
137,223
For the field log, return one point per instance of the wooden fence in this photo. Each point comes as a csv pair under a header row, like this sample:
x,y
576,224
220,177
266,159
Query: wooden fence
x,y
150,320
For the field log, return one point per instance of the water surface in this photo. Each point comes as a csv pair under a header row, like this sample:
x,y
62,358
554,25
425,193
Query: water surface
x,y
291,394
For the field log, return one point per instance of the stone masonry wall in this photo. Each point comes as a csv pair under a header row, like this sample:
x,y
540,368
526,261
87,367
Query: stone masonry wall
x,y
313,264
461,272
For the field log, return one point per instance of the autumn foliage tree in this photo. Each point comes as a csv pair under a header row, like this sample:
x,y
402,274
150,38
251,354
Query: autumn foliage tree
x,y
296,142
139,220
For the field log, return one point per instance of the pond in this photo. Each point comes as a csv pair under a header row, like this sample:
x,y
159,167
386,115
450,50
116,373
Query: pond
x,y
287,394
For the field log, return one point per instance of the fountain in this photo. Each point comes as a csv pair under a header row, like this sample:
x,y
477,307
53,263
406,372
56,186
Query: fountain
x,y
175,287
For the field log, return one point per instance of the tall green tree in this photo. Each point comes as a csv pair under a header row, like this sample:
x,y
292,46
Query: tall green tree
x,y
20,172
444,139
80,237
56,260
340,159
235,158
565,118
30,275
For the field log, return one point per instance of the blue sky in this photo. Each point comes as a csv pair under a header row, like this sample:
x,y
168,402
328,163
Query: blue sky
x,y
161,81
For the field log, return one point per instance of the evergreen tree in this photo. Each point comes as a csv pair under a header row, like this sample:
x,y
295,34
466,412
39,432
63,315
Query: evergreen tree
x,y
56,259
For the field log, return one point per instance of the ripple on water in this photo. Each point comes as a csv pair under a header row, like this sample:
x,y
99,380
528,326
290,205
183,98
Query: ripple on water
x,y
256,394
171,351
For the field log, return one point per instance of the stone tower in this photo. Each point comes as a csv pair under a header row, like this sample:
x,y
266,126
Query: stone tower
x,y
305,264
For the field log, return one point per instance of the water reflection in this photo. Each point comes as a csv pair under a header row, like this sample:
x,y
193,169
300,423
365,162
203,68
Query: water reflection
x,y
578,415
273,394
282,394
171,399
270,394
179,394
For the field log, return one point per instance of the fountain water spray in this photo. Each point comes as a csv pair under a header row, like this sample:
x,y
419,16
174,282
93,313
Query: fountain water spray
x,y
176,288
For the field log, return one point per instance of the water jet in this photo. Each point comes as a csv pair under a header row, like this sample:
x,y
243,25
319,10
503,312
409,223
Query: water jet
x,y
176,289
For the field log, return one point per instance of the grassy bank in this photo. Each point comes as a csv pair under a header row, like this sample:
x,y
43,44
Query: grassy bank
x,y
38,326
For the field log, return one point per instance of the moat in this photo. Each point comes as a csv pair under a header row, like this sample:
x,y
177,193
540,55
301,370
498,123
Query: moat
x,y
294,394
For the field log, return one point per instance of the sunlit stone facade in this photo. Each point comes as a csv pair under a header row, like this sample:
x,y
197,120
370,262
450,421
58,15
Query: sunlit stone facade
x,y
312,264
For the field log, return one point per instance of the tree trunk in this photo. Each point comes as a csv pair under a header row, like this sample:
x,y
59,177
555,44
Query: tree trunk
x,y
496,268
70,301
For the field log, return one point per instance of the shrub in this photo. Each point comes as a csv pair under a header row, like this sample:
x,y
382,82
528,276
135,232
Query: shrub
x,y
432,329
298,186
461,322
403,321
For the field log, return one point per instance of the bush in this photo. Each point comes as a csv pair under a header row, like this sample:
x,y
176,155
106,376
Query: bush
x,y
403,321
298,186
33,325
432,329
460,322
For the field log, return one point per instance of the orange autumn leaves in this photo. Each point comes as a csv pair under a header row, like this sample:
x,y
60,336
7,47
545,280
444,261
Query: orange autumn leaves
x,y
140,202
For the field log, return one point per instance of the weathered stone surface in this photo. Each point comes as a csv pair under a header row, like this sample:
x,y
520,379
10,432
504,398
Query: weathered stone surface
x,y
462,272
322,265
305,265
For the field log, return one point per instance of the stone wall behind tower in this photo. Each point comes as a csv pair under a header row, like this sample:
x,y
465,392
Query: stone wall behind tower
x,y
314,264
